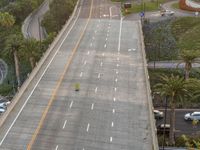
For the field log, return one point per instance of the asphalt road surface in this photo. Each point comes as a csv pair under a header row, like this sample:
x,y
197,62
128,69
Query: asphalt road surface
x,y
110,112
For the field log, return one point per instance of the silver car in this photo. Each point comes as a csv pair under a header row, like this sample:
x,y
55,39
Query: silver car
x,y
2,110
192,116
167,13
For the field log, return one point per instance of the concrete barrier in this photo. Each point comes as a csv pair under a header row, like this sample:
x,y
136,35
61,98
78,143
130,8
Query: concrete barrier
x,y
35,71
148,91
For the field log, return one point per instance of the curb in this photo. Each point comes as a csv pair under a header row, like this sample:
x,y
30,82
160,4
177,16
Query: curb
x,y
148,91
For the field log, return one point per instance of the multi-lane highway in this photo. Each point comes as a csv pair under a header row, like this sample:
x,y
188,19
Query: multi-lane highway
x,y
102,52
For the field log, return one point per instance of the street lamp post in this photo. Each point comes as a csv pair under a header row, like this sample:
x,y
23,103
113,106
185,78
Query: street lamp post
x,y
163,142
40,32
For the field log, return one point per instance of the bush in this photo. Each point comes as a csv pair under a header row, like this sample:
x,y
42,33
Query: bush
x,y
159,42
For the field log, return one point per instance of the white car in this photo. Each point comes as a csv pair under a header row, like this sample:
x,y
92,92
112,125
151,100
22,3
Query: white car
x,y
2,110
3,105
192,116
158,114
167,13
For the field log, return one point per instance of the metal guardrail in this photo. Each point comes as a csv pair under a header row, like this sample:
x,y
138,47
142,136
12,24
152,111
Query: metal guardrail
x,y
148,91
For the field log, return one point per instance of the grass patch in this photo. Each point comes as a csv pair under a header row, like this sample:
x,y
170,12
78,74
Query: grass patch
x,y
186,32
175,5
147,6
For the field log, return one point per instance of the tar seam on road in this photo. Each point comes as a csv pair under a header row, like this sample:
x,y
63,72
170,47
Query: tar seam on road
x,y
59,83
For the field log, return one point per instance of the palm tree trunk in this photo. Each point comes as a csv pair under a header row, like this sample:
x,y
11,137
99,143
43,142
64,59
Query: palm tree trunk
x,y
32,62
17,68
187,70
172,123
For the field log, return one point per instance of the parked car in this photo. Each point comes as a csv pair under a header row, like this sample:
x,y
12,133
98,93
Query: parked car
x,y
158,114
7,102
192,116
2,110
166,13
3,105
161,128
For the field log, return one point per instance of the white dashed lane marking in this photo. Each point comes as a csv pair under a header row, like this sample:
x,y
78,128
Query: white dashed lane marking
x,y
112,124
92,107
56,147
113,111
70,106
101,64
81,74
85,62
88,127
114,99
64,124
111,139
96,89
115,89
88,52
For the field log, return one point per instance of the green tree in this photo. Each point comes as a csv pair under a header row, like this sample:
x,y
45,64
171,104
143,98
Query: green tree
x,y
13,44
188,57
6,20
174,88
31,50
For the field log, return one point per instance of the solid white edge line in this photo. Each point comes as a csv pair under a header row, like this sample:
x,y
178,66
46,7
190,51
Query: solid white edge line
x,y
39,80
120,33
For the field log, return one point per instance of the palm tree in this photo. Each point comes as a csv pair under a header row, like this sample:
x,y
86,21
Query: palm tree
x,y
13,44
31,49
6,20
188,57
175,88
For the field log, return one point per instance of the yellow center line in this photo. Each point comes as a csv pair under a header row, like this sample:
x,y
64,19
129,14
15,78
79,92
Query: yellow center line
x,y
31,142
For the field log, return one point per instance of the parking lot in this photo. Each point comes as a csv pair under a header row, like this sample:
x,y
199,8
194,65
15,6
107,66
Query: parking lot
x,y
181,126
